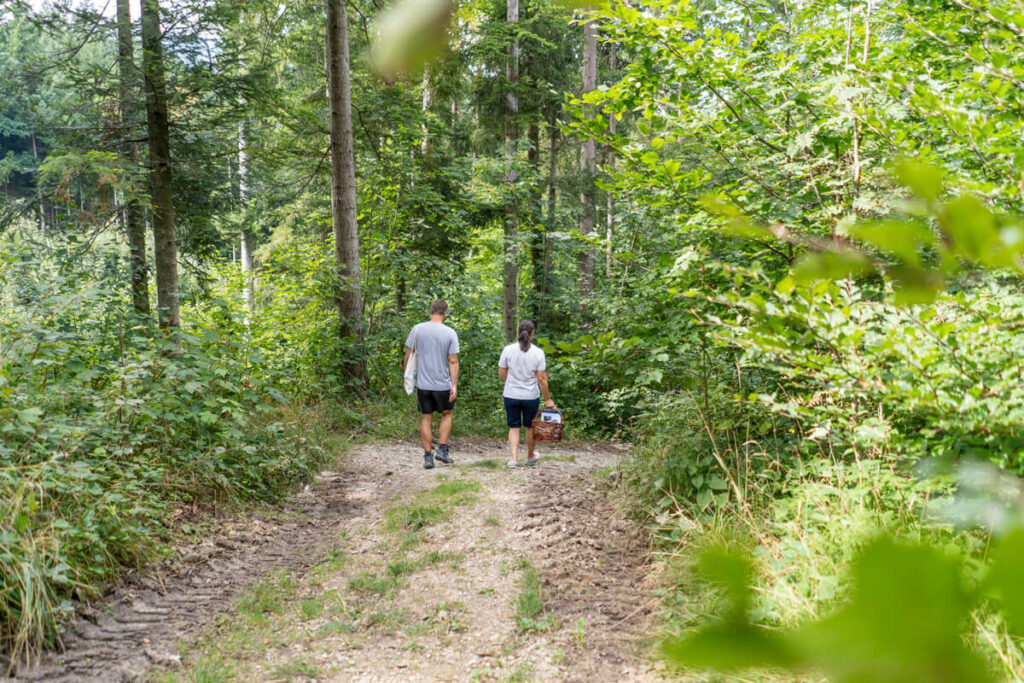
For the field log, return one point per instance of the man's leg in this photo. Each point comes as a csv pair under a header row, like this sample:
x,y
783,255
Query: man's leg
x,y
446,427
426,421
529,443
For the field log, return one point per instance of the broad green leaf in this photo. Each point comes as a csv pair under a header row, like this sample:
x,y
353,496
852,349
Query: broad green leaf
x,y
831,265
922,179
1005,578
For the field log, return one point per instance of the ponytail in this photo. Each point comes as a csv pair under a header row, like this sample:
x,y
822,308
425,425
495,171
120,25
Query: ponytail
x,y
525,333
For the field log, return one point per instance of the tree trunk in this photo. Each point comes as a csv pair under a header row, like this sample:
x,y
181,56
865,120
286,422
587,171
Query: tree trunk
x,y
343,189
157,128
549,222
509,288
134,226
38,193
588,217
428,102
246,241
610,215
536,221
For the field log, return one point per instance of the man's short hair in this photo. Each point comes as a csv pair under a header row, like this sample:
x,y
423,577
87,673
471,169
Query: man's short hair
x,y
439,307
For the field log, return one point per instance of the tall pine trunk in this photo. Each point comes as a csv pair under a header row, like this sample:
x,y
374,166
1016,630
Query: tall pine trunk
x,y
135,228
343,189
509,287
588,154
157,127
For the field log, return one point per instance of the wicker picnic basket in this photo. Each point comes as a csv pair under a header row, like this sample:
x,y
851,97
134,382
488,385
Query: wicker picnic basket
x,y
547,425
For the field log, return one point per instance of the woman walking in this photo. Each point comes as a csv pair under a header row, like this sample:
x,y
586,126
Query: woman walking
x,y
522,367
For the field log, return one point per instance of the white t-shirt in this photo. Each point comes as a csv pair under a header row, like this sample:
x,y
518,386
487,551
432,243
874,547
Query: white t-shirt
x,y
521,381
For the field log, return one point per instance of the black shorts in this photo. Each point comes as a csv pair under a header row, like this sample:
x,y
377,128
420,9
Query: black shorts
x,y
520,412
430,402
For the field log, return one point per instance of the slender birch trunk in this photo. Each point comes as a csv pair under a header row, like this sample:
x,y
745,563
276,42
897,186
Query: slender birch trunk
x,y
588,154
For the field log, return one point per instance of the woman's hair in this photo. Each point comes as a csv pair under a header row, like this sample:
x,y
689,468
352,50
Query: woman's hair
x,y
525,332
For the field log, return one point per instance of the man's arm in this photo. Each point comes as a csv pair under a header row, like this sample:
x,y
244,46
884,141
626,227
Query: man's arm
x,y
502,373
453,368
542,380
405,361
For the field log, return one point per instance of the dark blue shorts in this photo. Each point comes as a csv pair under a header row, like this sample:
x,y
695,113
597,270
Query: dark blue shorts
x,y
520,412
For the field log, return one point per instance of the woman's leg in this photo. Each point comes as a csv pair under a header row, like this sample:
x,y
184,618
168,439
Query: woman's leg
x,y
513,443
530,409
513,418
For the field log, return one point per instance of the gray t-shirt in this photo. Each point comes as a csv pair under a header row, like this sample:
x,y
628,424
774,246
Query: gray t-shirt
x,y
432,343
521,381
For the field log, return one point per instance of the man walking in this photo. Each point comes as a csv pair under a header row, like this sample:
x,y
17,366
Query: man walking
x,y
437,375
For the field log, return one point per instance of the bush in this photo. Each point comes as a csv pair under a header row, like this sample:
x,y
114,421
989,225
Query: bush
x,y
106,426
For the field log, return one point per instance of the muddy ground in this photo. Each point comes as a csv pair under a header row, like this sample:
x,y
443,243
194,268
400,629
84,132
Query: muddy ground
x,y
325,587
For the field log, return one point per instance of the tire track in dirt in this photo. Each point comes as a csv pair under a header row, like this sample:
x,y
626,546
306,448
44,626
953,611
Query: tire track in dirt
x,y
138,626
556,516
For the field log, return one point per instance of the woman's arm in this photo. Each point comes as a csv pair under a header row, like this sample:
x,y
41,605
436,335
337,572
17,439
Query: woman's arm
x,y
542,380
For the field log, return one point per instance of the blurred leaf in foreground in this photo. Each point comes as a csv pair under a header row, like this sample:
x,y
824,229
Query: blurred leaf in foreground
x,y
411,34
904,622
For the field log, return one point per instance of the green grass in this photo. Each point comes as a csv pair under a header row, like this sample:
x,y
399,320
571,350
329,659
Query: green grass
x,y
529,615
492,521
403,567
312,608
434,558
429,507
211,670
523,672
270,595
336,627
297,668
368,582
488,464
333,561
388,618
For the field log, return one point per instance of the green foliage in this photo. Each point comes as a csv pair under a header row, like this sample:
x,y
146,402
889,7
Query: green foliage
x,y
529,614
904,621
431,506
107,426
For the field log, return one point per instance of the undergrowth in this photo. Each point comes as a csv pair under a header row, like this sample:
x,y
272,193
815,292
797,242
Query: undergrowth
x,y
704,483
109,431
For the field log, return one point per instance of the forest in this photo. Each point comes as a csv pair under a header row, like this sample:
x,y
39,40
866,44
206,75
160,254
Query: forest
x,y
772,249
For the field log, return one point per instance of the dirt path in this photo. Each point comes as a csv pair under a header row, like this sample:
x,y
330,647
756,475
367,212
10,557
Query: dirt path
x,y
384,571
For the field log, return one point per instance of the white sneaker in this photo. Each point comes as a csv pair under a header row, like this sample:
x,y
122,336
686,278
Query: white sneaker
x,y
513,464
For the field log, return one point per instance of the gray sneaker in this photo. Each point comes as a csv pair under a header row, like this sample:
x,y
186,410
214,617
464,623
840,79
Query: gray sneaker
x,y
443,455
428,461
